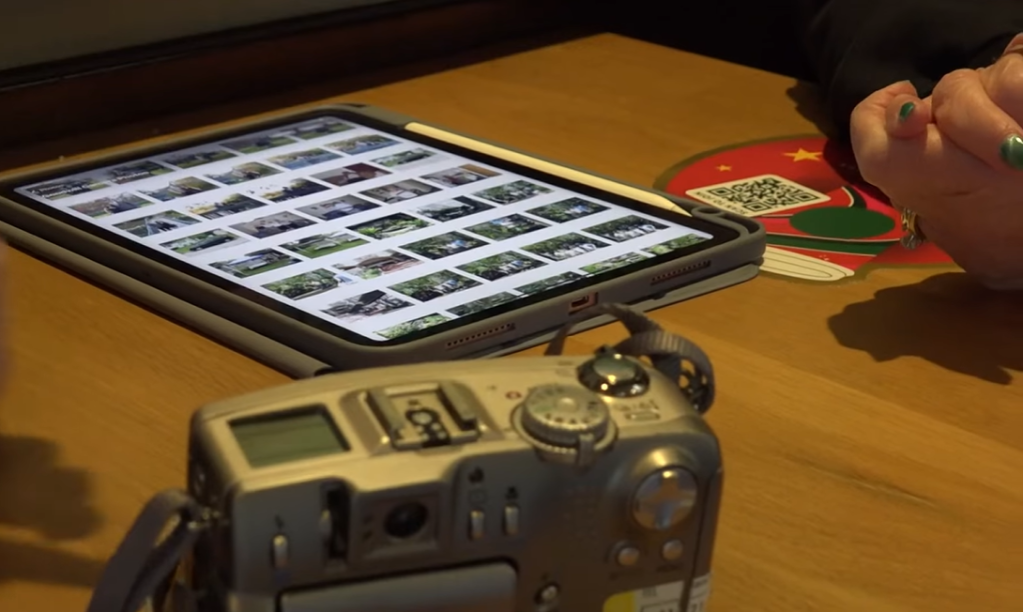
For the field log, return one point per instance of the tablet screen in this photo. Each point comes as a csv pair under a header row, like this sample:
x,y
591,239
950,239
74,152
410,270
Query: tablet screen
x,y
364,229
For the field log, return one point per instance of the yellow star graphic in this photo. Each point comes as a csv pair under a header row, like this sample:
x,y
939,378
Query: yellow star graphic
x,y
803,154
724,168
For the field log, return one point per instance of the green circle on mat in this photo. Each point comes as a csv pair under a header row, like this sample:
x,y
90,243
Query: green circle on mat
x,y
843,223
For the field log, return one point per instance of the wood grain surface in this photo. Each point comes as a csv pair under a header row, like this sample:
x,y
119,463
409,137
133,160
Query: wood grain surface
x,y
873,431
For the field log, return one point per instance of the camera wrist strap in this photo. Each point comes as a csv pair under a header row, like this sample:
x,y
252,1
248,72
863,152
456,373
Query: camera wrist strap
x,y
143,565
672,355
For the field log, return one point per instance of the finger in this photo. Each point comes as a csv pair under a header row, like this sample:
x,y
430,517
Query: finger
x,y
965,113
868,122
907,116
1003,82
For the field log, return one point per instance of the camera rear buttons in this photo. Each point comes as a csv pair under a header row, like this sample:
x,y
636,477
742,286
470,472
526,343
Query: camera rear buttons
x,y
477,525
664,499
279,552
627,556
672,550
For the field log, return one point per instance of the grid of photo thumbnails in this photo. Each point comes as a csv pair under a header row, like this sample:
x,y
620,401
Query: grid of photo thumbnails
x,y
379,234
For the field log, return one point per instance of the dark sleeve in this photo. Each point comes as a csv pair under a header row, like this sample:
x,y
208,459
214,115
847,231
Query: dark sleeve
x,y
859,46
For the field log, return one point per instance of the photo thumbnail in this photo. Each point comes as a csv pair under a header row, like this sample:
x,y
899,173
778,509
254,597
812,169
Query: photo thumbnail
x,y
204,242
482,304
156,224
462,175
564,247
444,245
449,210
376,265
362,144
567,210
436,285
319,245
257,262
135,171
179,188
307,284
504,228
282,192
257,144
390,226
113,205
199,156
367,305
229,205
273,225
513,192
337,208
296,160
62,188
549,283
501,265
400,191
407,159
242,173
626,228
356,173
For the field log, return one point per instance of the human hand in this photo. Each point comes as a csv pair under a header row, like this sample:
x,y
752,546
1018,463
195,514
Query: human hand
x,y
956,159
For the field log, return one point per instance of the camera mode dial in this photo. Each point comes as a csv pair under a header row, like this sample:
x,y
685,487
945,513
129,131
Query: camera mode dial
x,y
567,422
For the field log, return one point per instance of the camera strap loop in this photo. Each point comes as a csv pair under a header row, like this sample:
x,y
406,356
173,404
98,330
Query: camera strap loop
x,y
672,355
143,565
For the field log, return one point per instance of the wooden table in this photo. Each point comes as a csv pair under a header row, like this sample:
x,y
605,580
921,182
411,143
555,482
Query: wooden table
x,y
873,431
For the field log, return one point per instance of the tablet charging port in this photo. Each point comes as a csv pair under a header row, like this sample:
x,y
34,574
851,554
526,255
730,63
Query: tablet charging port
x,y
582,303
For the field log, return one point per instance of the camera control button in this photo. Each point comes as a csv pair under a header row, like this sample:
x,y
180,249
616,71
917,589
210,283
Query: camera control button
x,y
548,594
279,552
627,556
477,525
614,375
664,499
672,550
511,520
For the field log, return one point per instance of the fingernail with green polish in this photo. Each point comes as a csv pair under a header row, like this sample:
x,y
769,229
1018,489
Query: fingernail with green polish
x,y
1012,152
906,111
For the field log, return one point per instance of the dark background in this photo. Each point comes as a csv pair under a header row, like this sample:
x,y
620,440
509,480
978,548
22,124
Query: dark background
x,y
75,106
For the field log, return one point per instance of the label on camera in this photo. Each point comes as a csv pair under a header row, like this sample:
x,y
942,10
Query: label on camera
x,y
699,594
661,598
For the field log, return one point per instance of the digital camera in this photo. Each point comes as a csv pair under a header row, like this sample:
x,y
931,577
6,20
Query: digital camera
x,y
574,484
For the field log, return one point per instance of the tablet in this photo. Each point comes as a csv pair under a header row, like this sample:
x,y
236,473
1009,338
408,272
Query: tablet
x,y
356,237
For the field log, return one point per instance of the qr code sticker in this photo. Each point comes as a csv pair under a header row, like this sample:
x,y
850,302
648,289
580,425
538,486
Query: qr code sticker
x,y
758,195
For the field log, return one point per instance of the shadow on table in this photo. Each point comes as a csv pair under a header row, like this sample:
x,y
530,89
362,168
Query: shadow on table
x,y
947,319
30,563
810,105
38,494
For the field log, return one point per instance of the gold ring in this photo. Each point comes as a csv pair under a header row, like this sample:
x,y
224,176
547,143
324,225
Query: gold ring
x,y
913,236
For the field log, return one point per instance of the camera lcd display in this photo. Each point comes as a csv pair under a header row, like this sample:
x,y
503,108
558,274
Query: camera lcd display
x,y
288,436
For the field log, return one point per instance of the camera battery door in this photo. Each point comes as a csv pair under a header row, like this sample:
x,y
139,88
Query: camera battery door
x,y
527,484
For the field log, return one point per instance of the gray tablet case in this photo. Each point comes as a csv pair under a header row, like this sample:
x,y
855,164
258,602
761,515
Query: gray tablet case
x,y
300,350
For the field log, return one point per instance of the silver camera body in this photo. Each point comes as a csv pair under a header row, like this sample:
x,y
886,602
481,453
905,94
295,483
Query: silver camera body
x,y
572,484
